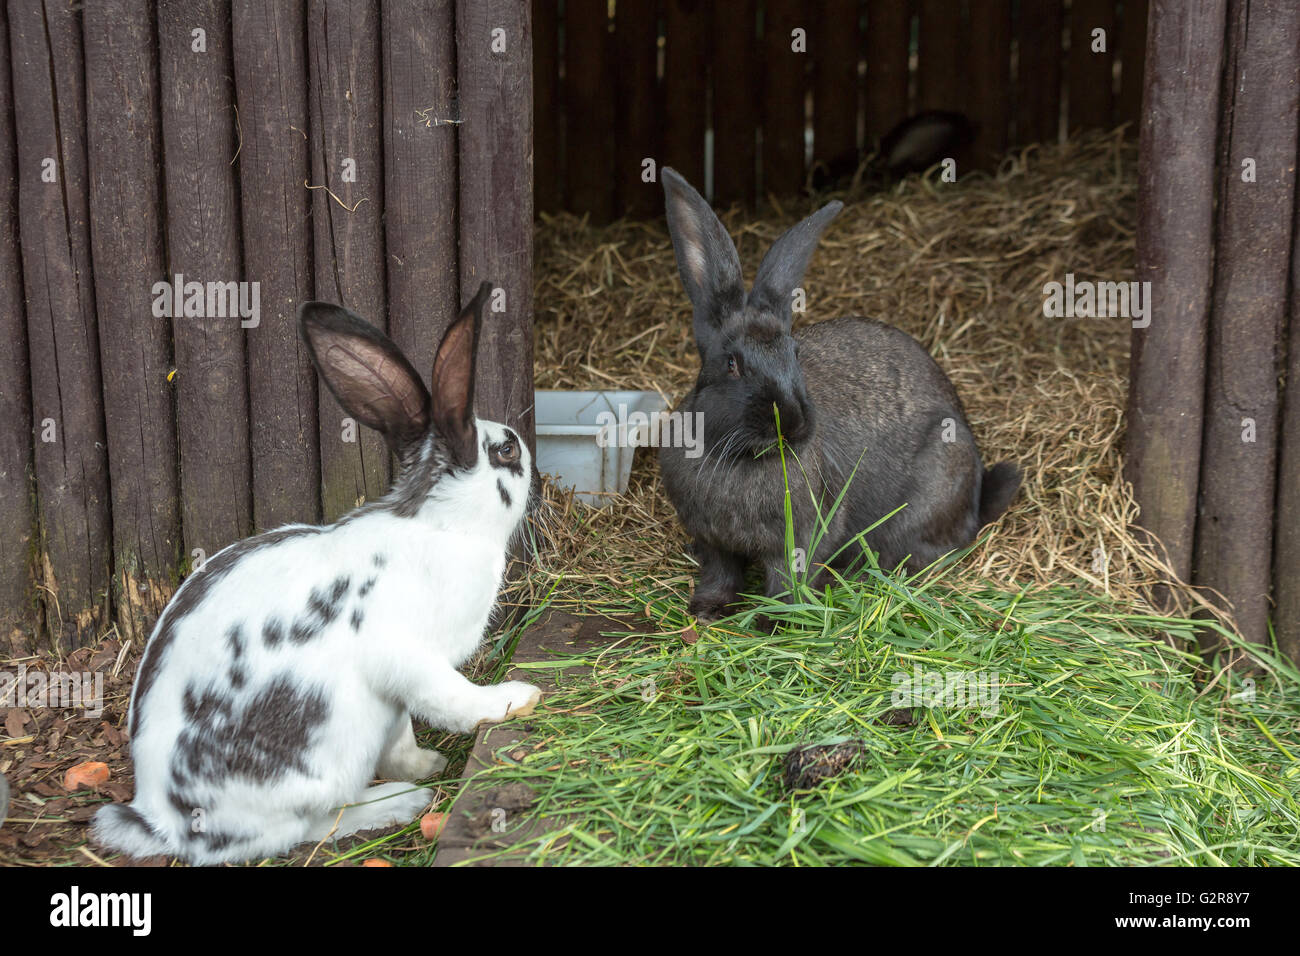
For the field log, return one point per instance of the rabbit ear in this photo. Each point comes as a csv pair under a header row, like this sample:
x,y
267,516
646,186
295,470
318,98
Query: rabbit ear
x,y
706,256
782,269
453,382
366,372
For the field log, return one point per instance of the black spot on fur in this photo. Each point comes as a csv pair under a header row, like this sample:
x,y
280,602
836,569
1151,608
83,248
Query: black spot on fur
x,y
366,585
416,481
235,641
186,807
356,619
216,841
379,560
191,595
505,495
134,815
273,632
263,741
323,607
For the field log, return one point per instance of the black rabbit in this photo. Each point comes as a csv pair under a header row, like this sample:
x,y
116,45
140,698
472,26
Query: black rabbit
x,y
858,400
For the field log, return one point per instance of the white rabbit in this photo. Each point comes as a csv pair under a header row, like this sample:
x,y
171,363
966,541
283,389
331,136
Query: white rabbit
x,y
281,678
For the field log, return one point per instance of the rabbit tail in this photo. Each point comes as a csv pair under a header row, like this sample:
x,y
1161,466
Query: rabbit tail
x,y
120,826
1001,482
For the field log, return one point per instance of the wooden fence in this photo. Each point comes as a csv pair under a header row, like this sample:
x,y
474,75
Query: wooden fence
x,y
1214,394
619,83
375,153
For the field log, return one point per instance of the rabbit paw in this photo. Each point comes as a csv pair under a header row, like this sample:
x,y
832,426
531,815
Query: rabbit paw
x,y
512,699
527,707
705,609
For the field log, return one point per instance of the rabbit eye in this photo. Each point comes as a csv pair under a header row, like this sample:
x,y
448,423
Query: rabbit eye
x,y
506,453
733,366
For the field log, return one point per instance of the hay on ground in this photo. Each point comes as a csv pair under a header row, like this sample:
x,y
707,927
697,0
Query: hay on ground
x,y
959,266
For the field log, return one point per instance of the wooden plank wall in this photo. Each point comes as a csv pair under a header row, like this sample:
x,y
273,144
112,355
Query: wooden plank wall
x,y
304,149
623,82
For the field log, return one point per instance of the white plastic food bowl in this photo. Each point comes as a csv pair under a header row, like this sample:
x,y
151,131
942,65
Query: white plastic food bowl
x,y
572,449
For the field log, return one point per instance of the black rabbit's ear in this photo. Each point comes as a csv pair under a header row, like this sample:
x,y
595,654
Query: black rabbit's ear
x,y
366,372
706,256
782,269
453,382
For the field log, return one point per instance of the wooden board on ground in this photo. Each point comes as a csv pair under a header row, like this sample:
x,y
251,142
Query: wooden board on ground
x,y
469,838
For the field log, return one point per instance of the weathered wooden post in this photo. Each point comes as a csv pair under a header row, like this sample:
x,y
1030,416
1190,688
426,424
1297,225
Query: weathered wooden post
x,y
735,106
347,221
889,34
1175,253
588,104
203,245
833,42
686,44
63,338
271,86
1286,568
1211,447
1234,532
1039,30
126,213
494,64
420,123
784,76
17,492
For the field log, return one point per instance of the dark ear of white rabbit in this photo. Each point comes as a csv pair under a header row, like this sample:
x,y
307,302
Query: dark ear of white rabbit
x,y
782,269
706,256
453,382
366,372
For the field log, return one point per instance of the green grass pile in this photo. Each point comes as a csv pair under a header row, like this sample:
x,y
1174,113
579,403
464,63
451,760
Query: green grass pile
x,y
1092,739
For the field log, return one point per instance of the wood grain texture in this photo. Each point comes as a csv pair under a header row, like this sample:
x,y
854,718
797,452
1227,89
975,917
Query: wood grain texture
x,y
347,222
990,80
785,83
589,85
496,200
271,89
835,51
1041,48
63,340
1235,520
637,110
941,56
1175,249
17,489
203,245
126,213
420,192
1286,549
547,115
1132,51
889,36
1091,74
735,104
686,45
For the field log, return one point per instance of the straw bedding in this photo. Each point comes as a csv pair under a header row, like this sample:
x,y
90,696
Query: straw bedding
x,y
959,266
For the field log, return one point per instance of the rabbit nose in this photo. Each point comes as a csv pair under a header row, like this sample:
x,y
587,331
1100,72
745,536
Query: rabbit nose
x,y
793,420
